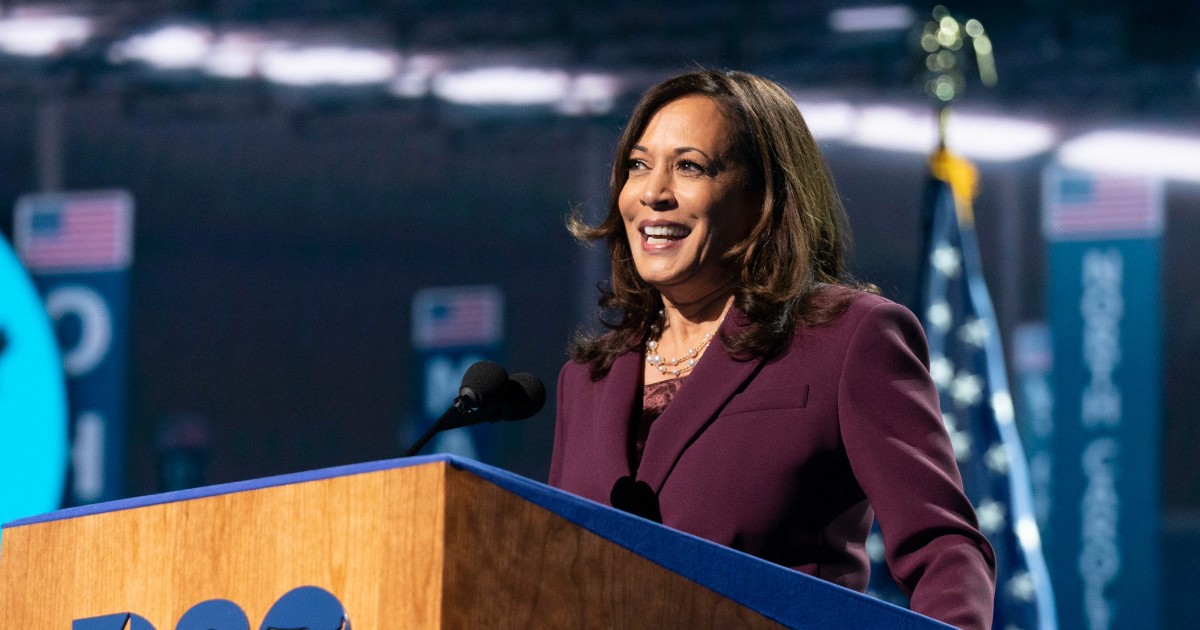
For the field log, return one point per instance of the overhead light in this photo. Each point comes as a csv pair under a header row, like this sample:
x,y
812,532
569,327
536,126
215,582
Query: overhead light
x,y
235,55
973,136
173,47
829,120
590,94
415,75
894,17
43,35
503,86
998,139
894,129
1134,153
329,65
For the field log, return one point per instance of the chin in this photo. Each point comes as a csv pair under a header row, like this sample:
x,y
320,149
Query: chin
x,y
670,282
656,277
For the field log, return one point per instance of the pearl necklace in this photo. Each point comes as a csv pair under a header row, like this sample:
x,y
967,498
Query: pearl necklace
x,y
672,366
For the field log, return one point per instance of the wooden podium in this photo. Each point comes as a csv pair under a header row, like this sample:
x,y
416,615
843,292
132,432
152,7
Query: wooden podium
x,y
428,542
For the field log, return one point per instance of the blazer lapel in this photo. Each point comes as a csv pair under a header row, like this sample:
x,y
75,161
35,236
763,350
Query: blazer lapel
x,y
715,379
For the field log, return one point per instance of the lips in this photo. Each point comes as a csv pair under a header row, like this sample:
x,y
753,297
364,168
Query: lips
x,y
663,233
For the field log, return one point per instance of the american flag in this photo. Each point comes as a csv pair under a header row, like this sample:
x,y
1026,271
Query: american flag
x,y
967,364
75,233
1084,205
454,317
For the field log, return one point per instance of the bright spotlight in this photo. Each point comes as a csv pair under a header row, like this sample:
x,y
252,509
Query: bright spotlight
x,y
894,129
989,138
42,36
998,139
329,65
174,47
590,94
895,17
414,78
1133,153
234,56
503,86
828,120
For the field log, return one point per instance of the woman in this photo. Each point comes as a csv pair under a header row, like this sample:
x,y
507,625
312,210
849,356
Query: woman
x,y
800,405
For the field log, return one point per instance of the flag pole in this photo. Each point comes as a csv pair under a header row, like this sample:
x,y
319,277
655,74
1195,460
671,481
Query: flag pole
x,y
994,467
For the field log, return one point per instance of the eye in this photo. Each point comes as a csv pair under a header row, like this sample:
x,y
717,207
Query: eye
x,y
689,167
636,164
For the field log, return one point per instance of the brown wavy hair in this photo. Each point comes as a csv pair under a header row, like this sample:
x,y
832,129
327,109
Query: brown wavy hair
x,y
789,267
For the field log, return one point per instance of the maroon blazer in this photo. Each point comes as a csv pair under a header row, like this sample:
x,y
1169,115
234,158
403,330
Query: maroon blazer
x,y
784,459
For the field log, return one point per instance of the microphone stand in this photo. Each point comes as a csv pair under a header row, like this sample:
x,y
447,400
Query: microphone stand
x,y
452,419
517,398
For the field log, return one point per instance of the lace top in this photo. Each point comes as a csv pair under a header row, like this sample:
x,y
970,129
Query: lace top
x,y
655,398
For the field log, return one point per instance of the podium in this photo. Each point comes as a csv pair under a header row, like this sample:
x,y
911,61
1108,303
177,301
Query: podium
x,y
424,542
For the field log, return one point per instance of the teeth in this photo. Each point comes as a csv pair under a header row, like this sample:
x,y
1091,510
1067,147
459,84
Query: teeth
x,y
668,231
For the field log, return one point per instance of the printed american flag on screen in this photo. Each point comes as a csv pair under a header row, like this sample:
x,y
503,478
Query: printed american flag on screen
x,y
457,317
1085,205
69,233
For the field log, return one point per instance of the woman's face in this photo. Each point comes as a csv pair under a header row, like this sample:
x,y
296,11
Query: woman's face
x,y
685,203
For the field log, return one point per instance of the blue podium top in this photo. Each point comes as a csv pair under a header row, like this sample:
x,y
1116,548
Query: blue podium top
x,y
777,593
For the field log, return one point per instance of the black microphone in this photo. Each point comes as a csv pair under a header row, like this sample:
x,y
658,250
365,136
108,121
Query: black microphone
x,y
482,387
524,396
488,394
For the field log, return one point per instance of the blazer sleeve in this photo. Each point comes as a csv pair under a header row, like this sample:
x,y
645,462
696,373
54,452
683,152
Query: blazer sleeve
x,y
900,453
560,431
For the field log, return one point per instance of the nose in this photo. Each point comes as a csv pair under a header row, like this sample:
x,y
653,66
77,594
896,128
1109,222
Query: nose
x,y
657,193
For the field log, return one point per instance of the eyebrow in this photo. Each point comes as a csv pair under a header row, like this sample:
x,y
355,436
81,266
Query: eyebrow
x,y
679,151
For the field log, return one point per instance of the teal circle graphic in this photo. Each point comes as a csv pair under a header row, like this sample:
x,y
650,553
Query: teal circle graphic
x,y
33,399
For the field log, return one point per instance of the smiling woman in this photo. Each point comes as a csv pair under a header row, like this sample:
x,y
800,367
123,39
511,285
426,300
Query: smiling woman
x,y
686,202
751,393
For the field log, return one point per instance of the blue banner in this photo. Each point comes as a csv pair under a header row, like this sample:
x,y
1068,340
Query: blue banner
x,y
78,247
1104,314
453,328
